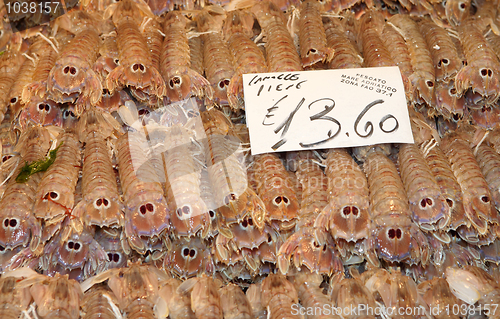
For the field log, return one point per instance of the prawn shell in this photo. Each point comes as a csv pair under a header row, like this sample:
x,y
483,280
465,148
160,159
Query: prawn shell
x,y
217,60
351,291
476,193
396,45
73,74
179,306
135,69
146,212
278,295
448,103
109,215
13,299
24,77
57,296
488,116
491,252
149,223
196,54
187,257
444,54
154,40
458,11
441,169
247,235
98,302
437,292
346,56
314,186
234,303
227,172
305,250
423,76
10,64
310,293
279,199
71,258
394,236
281,54
101,205
47,59
18,221
191,213
428,206
60,180
348,210
205,298
136,289
481,74
39,111
313,46
375,54
248,57
181,81
489,162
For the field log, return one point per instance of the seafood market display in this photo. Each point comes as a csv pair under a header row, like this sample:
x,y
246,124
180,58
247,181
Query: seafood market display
x,y
128,189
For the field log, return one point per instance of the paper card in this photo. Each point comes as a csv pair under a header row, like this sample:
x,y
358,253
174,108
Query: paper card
x,y
293,111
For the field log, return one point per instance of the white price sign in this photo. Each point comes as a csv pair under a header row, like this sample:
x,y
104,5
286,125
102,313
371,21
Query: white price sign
x,y
326,109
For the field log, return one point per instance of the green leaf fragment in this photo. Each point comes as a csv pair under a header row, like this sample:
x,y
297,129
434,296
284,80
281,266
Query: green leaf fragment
x,y
37,166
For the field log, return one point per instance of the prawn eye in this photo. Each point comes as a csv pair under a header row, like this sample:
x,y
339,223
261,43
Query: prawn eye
x,y
138,67
394,233
175,82
44,107
311,51
12,223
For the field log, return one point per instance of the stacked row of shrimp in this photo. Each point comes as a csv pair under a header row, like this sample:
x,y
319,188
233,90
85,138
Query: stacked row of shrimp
x,y
448,72
374,215
142,291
